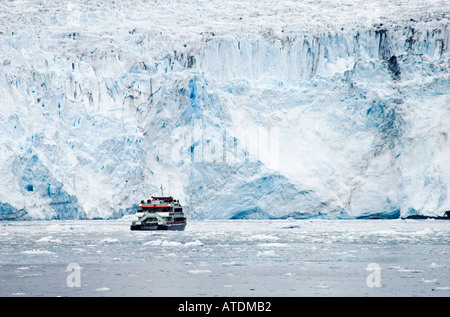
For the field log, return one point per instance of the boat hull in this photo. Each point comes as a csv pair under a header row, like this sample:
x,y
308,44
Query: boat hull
x,y
151,227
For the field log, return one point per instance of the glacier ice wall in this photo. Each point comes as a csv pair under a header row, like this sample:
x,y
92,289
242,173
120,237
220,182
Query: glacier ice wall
x,y
101,102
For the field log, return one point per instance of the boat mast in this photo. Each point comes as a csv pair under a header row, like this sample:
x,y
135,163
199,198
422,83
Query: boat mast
x,y
162,194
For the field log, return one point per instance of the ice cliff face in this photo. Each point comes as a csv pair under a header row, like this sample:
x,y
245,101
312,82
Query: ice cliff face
x,y
242,110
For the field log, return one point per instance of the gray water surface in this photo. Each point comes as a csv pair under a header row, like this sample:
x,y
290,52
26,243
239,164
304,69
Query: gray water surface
x,y
226,258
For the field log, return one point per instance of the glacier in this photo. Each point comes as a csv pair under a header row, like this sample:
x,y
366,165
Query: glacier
x,y
248,110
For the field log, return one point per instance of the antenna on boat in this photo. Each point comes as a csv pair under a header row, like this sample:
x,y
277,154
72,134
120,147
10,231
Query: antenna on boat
x,y
162,194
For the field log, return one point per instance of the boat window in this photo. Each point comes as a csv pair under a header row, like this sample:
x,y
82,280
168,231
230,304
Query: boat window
x,y
157,209
178,209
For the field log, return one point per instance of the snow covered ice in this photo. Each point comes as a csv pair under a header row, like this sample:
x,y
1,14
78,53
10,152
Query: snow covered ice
x,y
100,101
226,258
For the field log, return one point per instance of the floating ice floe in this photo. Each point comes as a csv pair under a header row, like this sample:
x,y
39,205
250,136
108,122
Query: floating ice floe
x,y
165,243
268,253
37,252
261,237
321,285
272,245
109,240
289,274
199,271
435,280
442,288
48,239
103,289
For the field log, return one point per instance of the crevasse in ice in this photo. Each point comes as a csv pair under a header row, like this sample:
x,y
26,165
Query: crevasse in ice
x,y
259,109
